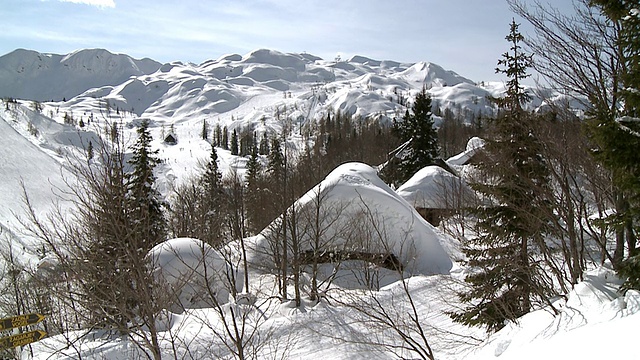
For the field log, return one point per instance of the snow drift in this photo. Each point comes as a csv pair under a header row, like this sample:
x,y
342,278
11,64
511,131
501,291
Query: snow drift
x,y
193,271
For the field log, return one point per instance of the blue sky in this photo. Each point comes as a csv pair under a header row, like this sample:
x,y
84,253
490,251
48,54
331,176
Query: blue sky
x,y
466,36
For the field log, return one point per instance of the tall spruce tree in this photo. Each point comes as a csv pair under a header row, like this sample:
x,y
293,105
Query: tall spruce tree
x,y
205,130
234,142
210,204
416,127
511,226
618,136
255,206
145,205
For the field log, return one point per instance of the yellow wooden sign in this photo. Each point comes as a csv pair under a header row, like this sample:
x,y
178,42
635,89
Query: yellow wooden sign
x,y
20,320
22,339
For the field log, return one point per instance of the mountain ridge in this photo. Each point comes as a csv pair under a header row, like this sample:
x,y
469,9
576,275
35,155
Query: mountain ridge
x,y
98,73
20,68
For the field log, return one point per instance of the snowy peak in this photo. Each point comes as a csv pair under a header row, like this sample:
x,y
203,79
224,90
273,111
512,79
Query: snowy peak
x,y
433,75
27,74
96,60
275,58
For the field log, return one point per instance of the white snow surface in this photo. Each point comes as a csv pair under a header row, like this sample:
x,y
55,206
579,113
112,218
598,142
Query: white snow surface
x,y
474,145
27,74
594,322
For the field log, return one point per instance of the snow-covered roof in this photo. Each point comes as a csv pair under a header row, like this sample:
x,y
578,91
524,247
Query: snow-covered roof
x,y
432,187
353,198
474,145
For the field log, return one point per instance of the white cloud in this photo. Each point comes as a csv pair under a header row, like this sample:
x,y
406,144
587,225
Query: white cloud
x,y
98,3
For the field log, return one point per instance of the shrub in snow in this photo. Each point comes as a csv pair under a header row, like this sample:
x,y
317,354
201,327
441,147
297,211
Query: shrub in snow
x,y
194,273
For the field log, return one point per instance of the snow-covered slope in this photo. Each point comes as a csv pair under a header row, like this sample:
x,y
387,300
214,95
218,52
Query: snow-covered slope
x,y
594,321
30,161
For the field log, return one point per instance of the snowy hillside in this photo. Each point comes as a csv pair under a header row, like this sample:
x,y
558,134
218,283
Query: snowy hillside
x,y
32,162
263,90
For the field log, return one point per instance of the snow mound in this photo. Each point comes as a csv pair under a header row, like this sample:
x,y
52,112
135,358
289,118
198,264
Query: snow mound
x,y
595,314
352,199
433,187
193,272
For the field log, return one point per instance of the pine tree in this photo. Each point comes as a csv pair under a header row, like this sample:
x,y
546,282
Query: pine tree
x,y
225,138
275,159
618,137
263,148
255,206
417,129
511,228
90,151
145,206
210,204
204,134
217,136
234,142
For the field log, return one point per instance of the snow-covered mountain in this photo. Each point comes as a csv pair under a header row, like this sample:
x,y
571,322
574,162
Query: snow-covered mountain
x,y
247,87
26,74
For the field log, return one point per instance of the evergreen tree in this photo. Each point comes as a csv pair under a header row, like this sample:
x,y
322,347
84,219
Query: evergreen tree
x,y
264,145
210,204
110,229
234,142
205,130
225,138
275,159
511,228
417,129
217,136
90,151
145,206
618,137
253,199
274,180
247,142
